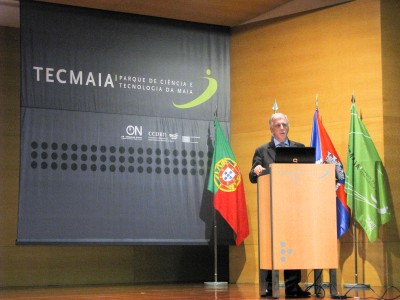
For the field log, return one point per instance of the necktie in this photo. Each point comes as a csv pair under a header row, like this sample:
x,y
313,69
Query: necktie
x,y
281,145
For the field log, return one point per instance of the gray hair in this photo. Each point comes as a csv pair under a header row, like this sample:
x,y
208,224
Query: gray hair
x,y
278,116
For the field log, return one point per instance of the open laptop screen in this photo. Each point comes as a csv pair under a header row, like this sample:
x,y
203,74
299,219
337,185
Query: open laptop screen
x,y
304,155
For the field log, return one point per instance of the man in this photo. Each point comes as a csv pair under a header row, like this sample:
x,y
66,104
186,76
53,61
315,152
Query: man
x,y
263,157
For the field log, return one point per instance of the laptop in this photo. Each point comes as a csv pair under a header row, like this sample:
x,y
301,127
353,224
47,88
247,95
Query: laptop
x,y
304,155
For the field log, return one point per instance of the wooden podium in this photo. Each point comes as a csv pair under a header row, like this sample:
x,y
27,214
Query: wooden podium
x,y
297,220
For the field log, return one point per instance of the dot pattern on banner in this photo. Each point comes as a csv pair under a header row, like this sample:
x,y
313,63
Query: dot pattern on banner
x,y
64,156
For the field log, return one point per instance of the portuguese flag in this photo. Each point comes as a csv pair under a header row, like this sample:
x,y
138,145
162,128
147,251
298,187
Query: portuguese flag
x,y
226,183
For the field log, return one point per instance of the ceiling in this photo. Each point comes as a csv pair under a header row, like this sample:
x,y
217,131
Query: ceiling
x,y
218,12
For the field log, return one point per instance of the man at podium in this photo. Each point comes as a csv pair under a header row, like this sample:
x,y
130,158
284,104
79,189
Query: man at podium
x,y
265,155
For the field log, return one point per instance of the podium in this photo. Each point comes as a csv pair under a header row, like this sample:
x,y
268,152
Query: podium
x,y
297,220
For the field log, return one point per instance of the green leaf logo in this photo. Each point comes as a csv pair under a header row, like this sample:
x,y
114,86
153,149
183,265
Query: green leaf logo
x,y
205,96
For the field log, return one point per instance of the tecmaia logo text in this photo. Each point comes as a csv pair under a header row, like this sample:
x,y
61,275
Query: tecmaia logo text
x,y
64,76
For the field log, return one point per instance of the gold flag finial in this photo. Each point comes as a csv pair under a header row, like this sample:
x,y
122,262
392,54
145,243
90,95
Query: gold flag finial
x,y
275,107
316,101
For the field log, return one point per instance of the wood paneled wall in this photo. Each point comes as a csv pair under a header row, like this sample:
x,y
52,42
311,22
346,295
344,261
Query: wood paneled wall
x,y
390,23
330,52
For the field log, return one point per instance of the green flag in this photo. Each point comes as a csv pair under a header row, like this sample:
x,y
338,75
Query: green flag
x,y
366,181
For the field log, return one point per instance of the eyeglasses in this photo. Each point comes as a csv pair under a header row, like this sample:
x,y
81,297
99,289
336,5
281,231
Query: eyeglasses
x,y
284,125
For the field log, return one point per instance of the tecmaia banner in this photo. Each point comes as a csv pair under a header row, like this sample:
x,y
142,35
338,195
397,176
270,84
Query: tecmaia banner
x,y
117,118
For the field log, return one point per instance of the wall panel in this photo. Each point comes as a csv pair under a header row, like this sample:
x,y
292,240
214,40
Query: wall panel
x,y
330,52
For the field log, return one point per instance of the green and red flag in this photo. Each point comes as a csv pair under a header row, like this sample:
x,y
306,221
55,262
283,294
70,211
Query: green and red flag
x,y
366,182
226,183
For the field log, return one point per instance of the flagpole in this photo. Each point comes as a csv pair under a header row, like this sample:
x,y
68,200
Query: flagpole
x,y
215,282
215,247
355,239
353,100
317,272
275,107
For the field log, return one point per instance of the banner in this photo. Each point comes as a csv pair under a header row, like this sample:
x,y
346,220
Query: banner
x,y
366,181
116,116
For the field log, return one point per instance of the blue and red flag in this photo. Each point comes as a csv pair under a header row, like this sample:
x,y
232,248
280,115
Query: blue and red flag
x,y
325,153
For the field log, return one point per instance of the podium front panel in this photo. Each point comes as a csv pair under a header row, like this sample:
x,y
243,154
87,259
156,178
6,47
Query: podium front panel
x,y
299,229
264,222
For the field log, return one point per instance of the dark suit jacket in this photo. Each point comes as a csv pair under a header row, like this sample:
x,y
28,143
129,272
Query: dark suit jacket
x,y
265,155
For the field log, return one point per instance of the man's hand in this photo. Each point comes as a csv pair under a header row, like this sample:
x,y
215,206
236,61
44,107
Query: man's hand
x,y
258,170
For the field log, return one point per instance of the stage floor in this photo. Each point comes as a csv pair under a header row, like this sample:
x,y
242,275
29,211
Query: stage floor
x,y
171,291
